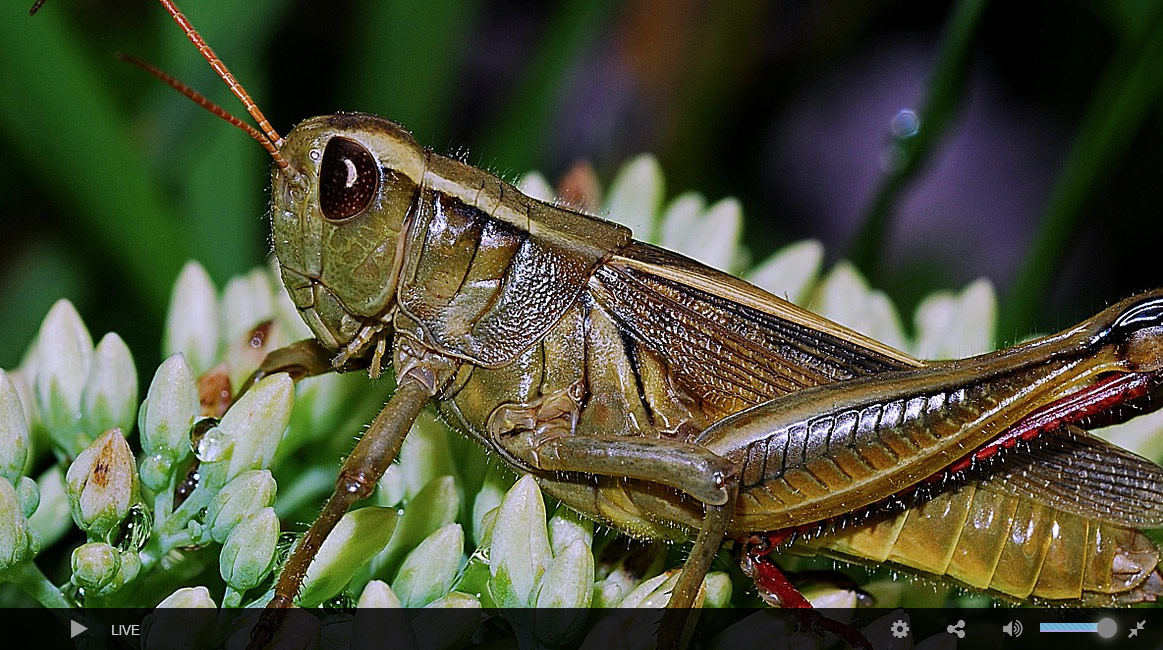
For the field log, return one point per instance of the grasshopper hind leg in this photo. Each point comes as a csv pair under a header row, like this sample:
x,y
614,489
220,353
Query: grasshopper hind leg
x,y
778,591
774,587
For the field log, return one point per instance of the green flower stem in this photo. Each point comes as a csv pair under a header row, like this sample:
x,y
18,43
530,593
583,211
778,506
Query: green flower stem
x,y
231,598
1129,88
171,533
946,90
163,503
29,577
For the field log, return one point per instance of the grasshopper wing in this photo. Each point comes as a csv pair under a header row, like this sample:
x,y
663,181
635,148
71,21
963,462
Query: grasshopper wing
x,y
1076,472
726,343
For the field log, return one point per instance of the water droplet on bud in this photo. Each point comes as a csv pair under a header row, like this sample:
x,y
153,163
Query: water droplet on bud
x,y
213,446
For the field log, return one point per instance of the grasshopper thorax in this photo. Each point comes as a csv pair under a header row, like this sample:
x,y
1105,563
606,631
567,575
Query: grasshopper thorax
x,y
337,214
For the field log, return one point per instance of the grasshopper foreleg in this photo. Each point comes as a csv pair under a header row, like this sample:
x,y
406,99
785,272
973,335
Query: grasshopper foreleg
x,y
418,378
300,360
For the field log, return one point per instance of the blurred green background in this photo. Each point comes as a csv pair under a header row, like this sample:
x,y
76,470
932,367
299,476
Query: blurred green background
x,y
1038,160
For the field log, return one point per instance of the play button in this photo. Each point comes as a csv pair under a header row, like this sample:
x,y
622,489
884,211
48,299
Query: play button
x,y
75,628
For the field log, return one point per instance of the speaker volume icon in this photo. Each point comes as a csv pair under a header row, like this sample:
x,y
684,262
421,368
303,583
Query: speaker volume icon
x,y
1013,628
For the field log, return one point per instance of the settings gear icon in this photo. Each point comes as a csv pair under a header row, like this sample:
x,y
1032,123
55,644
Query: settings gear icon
x,y
900,628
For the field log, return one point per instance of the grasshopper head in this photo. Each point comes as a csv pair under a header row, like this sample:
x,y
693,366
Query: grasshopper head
x,y
1137,330
337,213
342,188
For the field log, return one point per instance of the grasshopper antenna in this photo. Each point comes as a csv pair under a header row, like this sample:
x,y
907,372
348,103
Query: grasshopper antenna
x,y
223,72
199,99
267,137
265,134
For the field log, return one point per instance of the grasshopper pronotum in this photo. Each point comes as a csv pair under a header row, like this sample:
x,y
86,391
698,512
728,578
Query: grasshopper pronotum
x,y
667,399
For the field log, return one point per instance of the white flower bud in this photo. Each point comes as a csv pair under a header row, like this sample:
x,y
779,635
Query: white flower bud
x,y
13,431
249,551
487,500
535,185
378,595
430,569
356,539
51,521
954,326
655,592
109,399
831,597
166,415
434,506
635,196
845,297
520,545
185,629
569,579
95,565
711,236
188,598
563,594
607,594
18,542
192,321
386,621
28,494
247,494
247,301
566,526
102,484
64,351
718,590
790,271
253,428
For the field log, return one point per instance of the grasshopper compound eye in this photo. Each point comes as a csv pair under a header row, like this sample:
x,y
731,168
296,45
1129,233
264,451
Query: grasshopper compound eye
x,y
348,179
1144,315
1138,331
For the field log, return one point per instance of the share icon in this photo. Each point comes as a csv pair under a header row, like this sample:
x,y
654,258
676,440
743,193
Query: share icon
x,y
1135,631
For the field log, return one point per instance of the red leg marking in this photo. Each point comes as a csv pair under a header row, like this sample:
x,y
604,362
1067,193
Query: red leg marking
x,y
777,590
774,586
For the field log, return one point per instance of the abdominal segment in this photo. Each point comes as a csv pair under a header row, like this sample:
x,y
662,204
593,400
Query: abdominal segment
x,y
984,536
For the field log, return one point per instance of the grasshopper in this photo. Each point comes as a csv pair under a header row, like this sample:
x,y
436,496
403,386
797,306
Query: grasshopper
x,y
670,400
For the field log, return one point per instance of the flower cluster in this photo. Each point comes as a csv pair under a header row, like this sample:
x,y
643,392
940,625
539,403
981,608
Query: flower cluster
x,y
204,490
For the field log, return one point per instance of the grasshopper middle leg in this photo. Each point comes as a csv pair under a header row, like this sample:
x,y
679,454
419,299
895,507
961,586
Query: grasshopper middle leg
x,y
680,465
